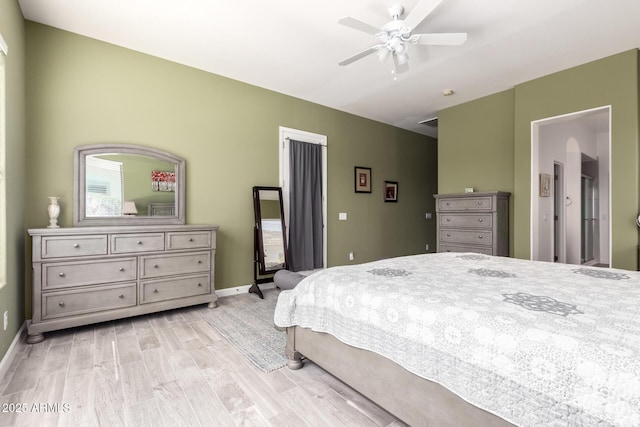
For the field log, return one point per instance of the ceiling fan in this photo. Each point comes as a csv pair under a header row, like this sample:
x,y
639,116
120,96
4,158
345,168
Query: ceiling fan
x,y
395,36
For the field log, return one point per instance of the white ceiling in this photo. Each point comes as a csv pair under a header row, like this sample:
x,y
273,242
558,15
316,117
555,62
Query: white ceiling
x,y
293,46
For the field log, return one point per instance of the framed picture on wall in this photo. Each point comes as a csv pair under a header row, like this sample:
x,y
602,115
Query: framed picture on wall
x,y
545,185
362,177
390,191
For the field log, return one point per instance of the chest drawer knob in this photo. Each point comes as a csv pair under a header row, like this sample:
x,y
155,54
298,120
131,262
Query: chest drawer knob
x,y
199,261
61,303
121,296
139,242
479,202
448,234
479,219
156,266
479,237
121,269
61,274
155,291
76,245
448,219
191,239
200,284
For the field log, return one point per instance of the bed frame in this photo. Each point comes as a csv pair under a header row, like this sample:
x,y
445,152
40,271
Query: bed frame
x,y
415,400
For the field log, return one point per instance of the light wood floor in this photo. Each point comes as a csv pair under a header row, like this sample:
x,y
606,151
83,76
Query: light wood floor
x,y
169,369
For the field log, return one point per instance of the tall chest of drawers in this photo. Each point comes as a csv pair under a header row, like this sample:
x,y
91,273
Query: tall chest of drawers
x,y
473,222
86,275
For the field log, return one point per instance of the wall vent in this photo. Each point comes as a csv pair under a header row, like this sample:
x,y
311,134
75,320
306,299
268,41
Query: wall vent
x,y
432,122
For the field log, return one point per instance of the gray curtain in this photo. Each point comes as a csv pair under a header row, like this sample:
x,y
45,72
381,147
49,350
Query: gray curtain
x,y
305,206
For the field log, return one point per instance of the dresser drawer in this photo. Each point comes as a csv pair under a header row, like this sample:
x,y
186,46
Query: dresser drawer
x,y
82,273
466,236
165,265
75,246
467,220
461,248
70,303
132,243
465,204
189,240
180,287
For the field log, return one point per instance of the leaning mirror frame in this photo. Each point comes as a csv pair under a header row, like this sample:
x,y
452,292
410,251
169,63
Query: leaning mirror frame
x,y
261,260
80,217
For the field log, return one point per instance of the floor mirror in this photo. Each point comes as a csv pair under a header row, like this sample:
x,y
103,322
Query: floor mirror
x,y
270,236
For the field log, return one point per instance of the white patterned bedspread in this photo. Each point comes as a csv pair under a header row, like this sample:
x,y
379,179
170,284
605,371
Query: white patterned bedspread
x,y
536,343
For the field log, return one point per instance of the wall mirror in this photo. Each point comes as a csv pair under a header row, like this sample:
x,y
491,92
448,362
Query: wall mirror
x,y
270,233
125,184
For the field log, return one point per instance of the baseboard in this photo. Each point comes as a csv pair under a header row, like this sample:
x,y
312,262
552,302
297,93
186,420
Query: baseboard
x,y
16,346
241,289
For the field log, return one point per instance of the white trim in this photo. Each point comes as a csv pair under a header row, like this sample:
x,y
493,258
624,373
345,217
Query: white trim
x,y
283,148
4,48
535,149
15,348
244,289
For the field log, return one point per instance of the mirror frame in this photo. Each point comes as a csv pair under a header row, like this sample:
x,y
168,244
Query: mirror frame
x,y
259,249
80,154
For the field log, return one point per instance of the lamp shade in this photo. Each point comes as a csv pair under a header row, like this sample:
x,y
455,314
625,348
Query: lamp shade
x,y
129,208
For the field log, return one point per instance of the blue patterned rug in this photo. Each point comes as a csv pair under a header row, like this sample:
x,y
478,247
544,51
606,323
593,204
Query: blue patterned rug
x,y
246,321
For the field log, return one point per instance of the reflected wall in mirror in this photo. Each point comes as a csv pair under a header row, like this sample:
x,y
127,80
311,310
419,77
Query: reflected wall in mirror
x,y
122,184
271,244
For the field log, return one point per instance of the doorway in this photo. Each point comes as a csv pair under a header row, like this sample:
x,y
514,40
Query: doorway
x,y
571,225
286,135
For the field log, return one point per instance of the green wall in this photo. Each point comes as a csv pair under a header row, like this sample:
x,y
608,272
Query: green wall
x,y
82,91
475,148
12,295
497,130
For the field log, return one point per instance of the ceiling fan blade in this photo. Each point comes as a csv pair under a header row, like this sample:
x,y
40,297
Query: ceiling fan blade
x,y
360,55
359,25
420,11
452,39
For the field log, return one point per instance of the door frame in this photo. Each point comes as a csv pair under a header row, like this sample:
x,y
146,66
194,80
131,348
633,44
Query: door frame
x,y
286,134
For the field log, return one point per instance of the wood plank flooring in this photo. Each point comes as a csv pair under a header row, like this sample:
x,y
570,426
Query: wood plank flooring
x,y
169,369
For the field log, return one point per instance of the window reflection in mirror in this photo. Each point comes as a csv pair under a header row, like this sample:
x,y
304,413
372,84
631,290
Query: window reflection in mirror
x,y
129,185
271,227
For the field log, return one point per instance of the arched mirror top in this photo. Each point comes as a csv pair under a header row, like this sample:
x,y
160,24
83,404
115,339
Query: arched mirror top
x,y
125,184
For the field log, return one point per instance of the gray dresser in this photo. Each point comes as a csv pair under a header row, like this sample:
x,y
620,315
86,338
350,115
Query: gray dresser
x,y
473,222
84,275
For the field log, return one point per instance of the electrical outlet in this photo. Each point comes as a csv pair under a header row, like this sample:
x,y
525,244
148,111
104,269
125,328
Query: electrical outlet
x,y
351,256
427,247
6,320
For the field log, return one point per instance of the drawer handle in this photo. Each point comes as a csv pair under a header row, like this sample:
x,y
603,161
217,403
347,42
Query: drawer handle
x,y
479,219
61,274
139,242
120,296
200,284
448,219
447,203
479,202
61,303
121,269
448,250
448,235
190,239
76,245
199,261
479,237
156,266
155,291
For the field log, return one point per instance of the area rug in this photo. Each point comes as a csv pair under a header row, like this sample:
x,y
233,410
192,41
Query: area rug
x,y
246,321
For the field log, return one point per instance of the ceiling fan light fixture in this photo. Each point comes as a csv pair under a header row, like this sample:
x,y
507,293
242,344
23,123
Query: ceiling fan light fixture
x,y
402,58
383,54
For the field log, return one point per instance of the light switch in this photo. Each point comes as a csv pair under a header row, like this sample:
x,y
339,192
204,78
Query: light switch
x,y
342,216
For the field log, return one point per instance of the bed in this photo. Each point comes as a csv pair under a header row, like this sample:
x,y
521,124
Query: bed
x,y
473,340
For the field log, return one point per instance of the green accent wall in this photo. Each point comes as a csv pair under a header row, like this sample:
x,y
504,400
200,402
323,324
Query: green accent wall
x,y
482,129
82,91
12,295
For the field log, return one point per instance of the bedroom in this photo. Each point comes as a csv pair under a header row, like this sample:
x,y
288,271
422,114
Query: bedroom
x,y
136,99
